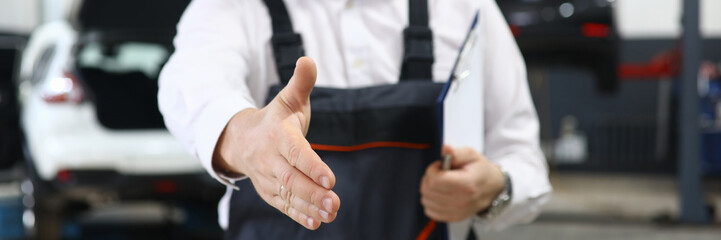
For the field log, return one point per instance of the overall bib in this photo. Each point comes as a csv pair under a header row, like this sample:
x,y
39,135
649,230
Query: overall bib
x,y
377,140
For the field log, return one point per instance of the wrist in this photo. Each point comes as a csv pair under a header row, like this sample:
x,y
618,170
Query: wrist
x,y
222,161
221,166
501,200
494,184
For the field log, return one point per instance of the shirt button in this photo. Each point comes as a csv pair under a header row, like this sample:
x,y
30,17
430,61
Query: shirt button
x,y
357,63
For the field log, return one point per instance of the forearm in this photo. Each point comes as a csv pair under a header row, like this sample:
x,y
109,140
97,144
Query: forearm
x,y
203,84
198,126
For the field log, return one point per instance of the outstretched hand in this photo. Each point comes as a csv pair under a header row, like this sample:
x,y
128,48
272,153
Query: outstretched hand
x,y
269,146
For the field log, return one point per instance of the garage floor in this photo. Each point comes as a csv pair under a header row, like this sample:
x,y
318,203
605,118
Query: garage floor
x,y
614,206
598,206
589,230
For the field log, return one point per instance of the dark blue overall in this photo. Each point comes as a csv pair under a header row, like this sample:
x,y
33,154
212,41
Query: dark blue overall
x,y
377,140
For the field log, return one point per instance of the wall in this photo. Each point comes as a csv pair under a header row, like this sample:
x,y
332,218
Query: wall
x,y
22,16
19,16
639,19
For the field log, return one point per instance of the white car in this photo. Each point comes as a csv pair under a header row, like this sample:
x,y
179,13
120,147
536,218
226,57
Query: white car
x,y
89,116
99,114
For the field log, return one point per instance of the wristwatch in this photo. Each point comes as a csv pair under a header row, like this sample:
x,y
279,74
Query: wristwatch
x,y
500,203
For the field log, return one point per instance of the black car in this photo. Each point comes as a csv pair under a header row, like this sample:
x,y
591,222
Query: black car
x,y
580,33
10,48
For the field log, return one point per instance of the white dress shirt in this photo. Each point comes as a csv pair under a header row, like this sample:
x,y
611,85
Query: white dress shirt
x,y
223,64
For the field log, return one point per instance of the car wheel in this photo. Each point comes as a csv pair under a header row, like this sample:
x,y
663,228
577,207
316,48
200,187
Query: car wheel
x,y
42,216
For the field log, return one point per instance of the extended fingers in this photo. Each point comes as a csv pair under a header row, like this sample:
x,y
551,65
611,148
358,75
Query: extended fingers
x,y
299,154
300,185
273,194
283,198
303,206
286,208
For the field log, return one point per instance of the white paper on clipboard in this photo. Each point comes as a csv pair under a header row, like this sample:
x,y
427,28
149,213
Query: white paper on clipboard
x,y
462,105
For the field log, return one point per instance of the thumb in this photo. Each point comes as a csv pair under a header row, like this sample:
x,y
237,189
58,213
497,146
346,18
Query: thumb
x,y
460,156
297,93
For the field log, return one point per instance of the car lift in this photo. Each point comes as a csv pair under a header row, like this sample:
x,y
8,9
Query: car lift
x,y
682,62
691,192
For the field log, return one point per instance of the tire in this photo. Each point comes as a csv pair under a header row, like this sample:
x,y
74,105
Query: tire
x,y
46,208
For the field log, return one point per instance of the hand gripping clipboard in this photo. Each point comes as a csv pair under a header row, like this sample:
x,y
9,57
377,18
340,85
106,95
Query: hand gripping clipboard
x,y
461,100
461,108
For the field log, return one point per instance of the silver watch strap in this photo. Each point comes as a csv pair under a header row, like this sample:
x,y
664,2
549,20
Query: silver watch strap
x,y
501,202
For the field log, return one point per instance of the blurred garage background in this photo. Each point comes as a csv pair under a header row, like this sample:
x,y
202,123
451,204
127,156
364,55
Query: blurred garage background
x,y
84,153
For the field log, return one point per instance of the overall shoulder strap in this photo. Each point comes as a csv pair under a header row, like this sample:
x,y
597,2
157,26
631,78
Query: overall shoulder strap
x,y
418,43
287,45
417,37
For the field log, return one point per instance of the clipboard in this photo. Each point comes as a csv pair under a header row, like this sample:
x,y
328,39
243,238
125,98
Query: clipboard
x,y
460,103
460,107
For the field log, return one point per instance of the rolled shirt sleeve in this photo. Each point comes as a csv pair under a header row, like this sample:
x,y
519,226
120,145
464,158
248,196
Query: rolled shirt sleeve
x,y
511,124
203,84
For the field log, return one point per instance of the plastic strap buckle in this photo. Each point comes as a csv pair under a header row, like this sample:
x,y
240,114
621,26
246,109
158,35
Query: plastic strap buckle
x,y
418,44
418,55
